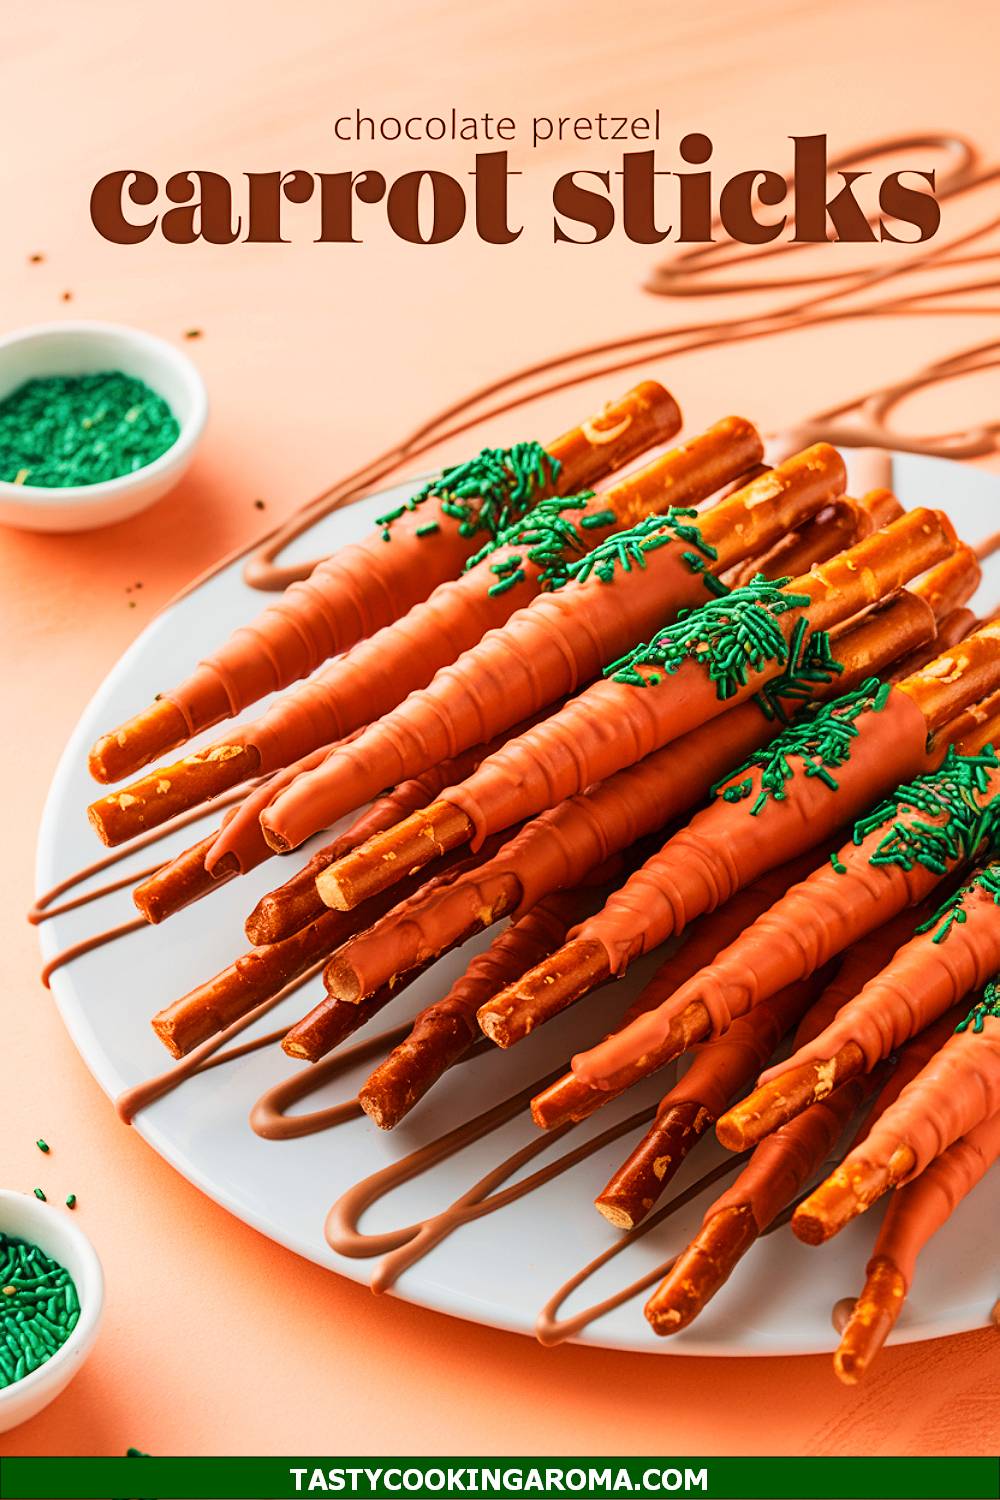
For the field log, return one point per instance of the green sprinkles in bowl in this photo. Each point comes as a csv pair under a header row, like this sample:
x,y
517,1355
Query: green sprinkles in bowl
x,y
39,1308
63,430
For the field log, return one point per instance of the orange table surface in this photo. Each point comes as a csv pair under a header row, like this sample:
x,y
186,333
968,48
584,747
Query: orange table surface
x,y
217,1341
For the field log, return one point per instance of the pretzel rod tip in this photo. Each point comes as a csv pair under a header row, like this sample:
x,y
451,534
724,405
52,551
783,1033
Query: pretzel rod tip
x,y
153,732
552,985
846,1193
701,1269
782,1098
387,857
871,1321
163,794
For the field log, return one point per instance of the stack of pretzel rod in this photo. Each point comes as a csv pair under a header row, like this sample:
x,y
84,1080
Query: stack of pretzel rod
x,y
614,717
531,556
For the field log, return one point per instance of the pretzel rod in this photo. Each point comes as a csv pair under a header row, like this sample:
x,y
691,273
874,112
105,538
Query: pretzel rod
x,y
331,1022
772,1105
297,901
921,981
952,583
366,585
955,1091
447,1030
836,764
916,1212
838,526
953,628
532,555
201,869
695,760
775,1173
256,976
568,1098
122,815
717,1072
630,585
181,881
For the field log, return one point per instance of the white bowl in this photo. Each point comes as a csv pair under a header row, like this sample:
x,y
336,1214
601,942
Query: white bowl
x,y
85,349
52,1230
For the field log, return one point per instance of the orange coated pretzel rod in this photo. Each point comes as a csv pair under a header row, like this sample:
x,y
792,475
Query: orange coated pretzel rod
x,y
561,845
576,747
570,1099
259,974
953,1093
193,873
635,583
282,911
727,844
378,673
876,1015
717,1072
365,586
446,1031
916,1212
777,1171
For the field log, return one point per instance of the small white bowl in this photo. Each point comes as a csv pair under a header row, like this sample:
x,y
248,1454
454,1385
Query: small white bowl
x,y
26,1218
86,349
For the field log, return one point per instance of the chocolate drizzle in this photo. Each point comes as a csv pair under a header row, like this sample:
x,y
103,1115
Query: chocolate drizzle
x,y
864,420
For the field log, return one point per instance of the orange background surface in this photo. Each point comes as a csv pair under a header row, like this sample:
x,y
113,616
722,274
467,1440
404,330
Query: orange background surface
x,y
217,1341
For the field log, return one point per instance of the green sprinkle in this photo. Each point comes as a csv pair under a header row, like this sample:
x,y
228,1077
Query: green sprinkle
x,y
815,745
42,1146
838,863
989,1005
41,1195
952,912
39,1311
488,493
428,528
61,430
627,549
71,1201
728,637
952,797
547,535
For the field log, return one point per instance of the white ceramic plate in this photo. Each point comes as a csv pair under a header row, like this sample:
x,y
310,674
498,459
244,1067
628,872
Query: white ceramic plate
x,y
501,1269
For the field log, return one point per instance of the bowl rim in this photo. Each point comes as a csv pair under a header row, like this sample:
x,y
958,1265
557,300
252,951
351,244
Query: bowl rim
x,y
91,1297
39,496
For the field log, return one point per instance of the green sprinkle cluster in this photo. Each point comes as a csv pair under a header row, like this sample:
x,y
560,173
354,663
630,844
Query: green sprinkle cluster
x,y
817,745
486,493
62,430
728,637
953,796
811,664
627,549
549,536
952,913
39,1308
989,1005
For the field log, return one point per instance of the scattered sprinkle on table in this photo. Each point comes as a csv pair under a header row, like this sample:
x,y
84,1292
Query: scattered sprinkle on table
x,y
40,1310
39,1194
67,297
192,333
62,430
42,1146
259,504
36,259
71,1201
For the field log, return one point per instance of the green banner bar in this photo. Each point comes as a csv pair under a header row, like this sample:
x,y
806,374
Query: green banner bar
x,y
142,1478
